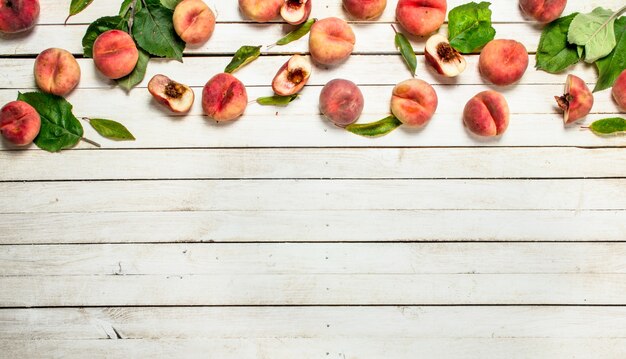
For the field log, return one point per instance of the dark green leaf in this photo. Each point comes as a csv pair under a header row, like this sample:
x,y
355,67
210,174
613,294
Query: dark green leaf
x,y
610,67
125,9
154,31
99,26
77,6
469,27
609,126
276,100
243,56
554,53
170,4
111,129
297,33
59,127
375,129
407,52
138,74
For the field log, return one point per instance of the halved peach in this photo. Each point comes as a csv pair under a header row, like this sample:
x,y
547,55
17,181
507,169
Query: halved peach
x,y
292,76
176,96
296,12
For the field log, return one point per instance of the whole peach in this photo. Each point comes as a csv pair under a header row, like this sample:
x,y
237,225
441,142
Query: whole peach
x,y
260,10
503,62
414,102
543,10
487,114
365,9
619,90
421,17
342,102
331,41
19,123
193,21
115,54
56,71
18,15
224,97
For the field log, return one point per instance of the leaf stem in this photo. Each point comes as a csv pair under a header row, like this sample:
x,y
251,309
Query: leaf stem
x,y
93,143
394,29
131,19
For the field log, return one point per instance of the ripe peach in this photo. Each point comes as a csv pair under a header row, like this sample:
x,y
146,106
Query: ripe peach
x,y
619,90
115,54
19,123
577,100
487,114
193,21
543,10
342,102
260,10
503,62
365,9
295,12
56,71
224,98
414,102
331,41
18,15
421,17
176,96
292,76
443,57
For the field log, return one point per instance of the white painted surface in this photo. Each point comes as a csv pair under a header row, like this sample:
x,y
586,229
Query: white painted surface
x,y
524,236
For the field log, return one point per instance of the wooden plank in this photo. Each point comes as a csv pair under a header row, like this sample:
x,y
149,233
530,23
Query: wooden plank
x,y
376,323
313,226
376,38
227,11
313,289
608,348
303,195
310,258
442,163
378,70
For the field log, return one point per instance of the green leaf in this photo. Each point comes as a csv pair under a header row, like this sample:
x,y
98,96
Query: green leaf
x,y
170,4
125,9
99,26
609,126
610,67
276,100
407,52
76,6
111,129
59,127
375,129
134,78
554,53
595,31
469,27
297,33
243,56
154,31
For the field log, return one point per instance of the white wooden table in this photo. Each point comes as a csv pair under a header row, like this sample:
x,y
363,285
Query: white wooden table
x,y
281,236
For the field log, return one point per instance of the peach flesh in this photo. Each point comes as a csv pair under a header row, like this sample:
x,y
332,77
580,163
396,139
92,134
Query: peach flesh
x,y
487,114
503,62
365,9
341,102
295,12
619,90
443,57
56,71
115,54
421,17
414,102
193,21
19,123
224,98
331,41
260,10
176,96
18,15
577,101
292,76
543,10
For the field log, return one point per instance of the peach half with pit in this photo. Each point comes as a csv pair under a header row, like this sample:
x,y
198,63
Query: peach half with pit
x,y
295,12
176,96
292,76
577,101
